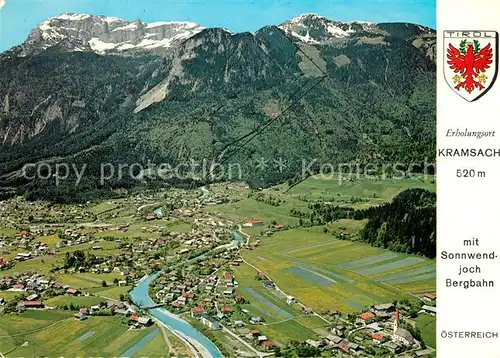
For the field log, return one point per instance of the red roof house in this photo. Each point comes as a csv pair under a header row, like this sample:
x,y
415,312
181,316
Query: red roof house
x,y
268,345
344,347
253,223
307,309
227,309
378,337
197,311
33,304
367,316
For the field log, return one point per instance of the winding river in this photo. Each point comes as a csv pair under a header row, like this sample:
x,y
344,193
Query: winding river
x,y
140,297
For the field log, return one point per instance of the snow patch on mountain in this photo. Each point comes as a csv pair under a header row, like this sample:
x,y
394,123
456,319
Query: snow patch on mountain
x,y
304,38
110,19
103,34
299,19
100,46
72,17
132,26
316,29
337,31
111,35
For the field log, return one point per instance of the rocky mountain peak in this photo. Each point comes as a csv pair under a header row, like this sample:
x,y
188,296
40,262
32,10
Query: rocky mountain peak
x,y
312,28
70,32
101,34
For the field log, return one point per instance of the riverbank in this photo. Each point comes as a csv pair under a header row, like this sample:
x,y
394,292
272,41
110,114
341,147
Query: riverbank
x,y
202,345
193,338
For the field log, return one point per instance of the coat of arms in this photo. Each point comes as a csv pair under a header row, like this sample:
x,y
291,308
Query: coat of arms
x,y
470,62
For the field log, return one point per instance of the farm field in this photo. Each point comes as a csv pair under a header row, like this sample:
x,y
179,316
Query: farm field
x,y
229,343
156,347
282,322
178,347
347,276
50,240
41,264
111,292
56,333
81,301
107,248
88,280
375,191
285,331
142,343
104,207
427,326
136,229
13,327
250,208
368,192
8,295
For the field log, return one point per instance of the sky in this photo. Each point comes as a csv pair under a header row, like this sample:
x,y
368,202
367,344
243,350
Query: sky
x,y
19,17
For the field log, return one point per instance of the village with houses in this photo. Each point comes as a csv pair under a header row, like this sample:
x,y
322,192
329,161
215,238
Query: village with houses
x,y
154,262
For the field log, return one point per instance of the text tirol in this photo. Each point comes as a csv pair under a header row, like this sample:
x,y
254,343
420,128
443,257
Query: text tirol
x,y
470,34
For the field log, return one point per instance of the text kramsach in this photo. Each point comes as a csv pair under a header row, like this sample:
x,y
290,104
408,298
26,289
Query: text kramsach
x,y
445,255
469,152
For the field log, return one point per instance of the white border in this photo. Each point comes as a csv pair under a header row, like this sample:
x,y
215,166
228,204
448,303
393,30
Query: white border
x,y
467,207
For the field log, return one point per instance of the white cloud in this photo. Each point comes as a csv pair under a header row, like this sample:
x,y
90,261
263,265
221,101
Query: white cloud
x,y
2,3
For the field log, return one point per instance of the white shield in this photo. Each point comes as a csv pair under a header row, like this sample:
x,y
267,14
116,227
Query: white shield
x,y
470,62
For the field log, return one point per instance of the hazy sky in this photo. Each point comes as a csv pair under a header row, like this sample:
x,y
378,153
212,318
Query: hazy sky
x,y
19,17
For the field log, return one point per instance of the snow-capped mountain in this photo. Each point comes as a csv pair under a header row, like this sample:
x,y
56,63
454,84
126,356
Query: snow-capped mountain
x,y
318,30
312,28
110,35
100,34
65,94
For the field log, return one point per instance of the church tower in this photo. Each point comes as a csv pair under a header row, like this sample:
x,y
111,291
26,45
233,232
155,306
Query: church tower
x,y
396,320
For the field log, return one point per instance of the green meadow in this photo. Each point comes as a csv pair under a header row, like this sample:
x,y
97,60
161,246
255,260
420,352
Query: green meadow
x,y
81,301
282,322
427,326
250,208
375,191
111,292
157,347
327,273
56,333
136,229
371,192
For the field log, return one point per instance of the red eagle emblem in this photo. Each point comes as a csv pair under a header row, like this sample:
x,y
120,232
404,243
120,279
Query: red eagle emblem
x,y
469,62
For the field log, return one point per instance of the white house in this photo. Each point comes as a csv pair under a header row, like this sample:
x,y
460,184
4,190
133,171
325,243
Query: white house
x,y
209,321
251,223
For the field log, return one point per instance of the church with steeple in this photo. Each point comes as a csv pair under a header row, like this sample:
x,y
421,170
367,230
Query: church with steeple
x,y
401,335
